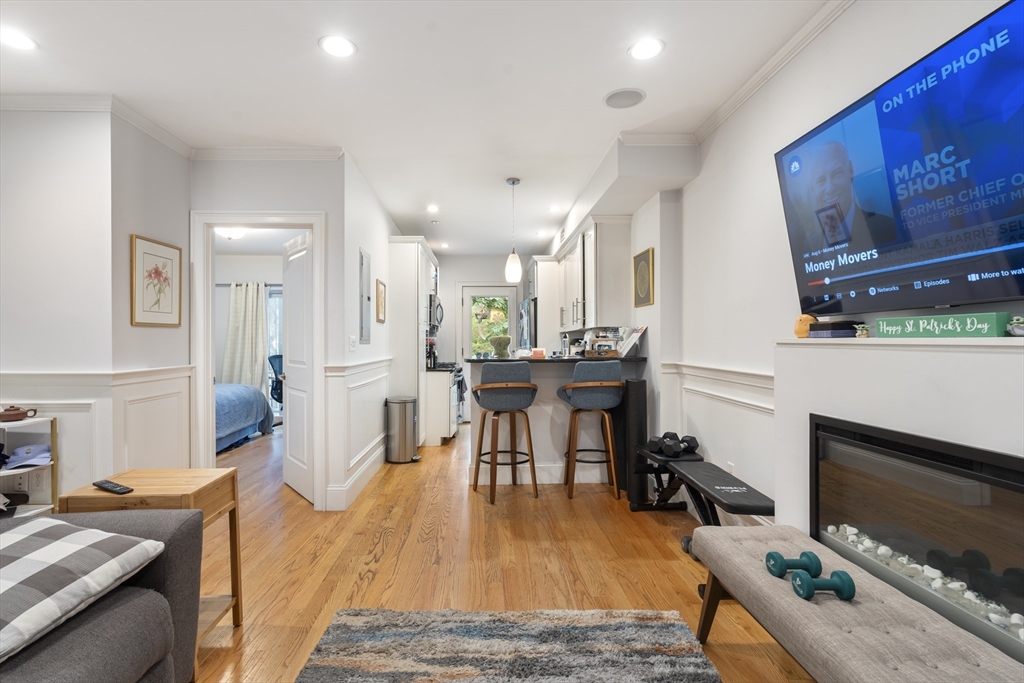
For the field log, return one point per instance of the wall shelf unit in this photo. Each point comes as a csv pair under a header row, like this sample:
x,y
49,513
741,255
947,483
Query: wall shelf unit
x,y
16,434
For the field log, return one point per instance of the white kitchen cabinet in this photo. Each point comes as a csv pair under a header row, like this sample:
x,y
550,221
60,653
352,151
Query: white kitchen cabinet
x,y
412,269
442,397
545,273
595,273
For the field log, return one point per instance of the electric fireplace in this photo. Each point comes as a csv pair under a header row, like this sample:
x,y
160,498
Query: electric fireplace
x,y
942,522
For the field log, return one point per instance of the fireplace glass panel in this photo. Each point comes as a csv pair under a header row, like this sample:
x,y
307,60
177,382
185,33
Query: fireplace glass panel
x,y
939,522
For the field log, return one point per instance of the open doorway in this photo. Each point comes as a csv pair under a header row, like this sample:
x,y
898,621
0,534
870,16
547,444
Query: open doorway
x,y
257,344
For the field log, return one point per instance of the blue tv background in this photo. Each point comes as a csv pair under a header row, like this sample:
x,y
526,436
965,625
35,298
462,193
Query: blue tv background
x,y
980,112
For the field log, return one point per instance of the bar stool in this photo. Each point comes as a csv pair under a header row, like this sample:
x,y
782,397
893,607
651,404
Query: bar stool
x,y
504,389
596,388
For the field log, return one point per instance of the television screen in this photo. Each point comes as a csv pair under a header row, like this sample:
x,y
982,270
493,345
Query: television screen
x,y
913,196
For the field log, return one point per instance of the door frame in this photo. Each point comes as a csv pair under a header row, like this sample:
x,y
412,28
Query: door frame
x,y
201,256
513,315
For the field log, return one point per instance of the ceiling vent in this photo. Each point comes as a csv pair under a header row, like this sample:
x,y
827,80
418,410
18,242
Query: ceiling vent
x,y
625,98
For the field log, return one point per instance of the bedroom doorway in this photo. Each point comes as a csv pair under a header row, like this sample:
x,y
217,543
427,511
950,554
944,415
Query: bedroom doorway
x,y
257,283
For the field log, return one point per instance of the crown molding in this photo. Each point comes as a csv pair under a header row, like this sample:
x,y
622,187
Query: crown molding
x,y
658,139
267,153
803,37
150,127
96,103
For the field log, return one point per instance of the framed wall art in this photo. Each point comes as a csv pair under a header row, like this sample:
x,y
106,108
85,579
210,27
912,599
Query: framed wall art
x,y
643,278
156,283
381,300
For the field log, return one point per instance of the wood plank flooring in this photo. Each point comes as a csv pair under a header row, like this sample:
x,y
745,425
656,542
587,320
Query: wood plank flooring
x,y
418,538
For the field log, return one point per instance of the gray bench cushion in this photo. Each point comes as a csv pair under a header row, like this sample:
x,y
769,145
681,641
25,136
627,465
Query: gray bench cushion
x,y
880,637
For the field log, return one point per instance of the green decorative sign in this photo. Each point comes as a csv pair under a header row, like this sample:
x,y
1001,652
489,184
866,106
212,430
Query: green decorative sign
x,y
959,325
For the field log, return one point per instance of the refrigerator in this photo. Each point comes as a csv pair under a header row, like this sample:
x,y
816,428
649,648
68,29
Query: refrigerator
x,y
527,328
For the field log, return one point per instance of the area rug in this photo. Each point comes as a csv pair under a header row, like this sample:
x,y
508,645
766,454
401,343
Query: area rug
x,y
378,646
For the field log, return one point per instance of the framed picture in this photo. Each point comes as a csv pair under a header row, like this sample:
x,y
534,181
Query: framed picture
x,y
830,219
643,278
156,283
381,300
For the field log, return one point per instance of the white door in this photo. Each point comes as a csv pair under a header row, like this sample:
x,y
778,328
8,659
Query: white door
x,y
473,329
297,352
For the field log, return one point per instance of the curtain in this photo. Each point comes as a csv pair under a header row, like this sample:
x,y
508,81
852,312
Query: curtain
x,y
245,351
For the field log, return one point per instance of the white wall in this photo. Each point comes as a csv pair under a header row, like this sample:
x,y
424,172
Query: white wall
x,y
286,186
367,227
738,286
151,192
238,268
55,241
657,224
454,269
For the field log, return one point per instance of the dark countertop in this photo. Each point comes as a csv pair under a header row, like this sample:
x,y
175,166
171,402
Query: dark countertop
x,y
570,359
440,369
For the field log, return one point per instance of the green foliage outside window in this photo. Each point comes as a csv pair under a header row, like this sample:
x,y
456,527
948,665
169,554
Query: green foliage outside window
x,y
490,319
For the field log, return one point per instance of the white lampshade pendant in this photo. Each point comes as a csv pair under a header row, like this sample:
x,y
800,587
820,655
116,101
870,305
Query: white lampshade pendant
x,y
513,268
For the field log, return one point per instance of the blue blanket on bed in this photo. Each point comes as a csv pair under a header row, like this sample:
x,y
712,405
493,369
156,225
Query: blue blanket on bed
x,y
241,410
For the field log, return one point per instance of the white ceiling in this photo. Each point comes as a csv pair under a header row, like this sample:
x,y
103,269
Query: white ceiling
x,y
442,102
258,241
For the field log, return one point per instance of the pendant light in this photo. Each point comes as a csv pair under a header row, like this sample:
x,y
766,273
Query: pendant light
x,y
513,268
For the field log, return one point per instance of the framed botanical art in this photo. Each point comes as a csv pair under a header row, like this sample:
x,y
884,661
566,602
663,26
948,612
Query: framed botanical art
x,y
381,300
156,283
643,278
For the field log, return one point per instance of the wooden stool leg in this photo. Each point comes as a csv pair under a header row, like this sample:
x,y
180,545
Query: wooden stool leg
x,y
512,445
529,451
574,429
712,596
494,453
479,447
568,447
609,444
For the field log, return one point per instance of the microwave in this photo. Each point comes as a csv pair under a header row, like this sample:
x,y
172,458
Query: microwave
x,y
436,311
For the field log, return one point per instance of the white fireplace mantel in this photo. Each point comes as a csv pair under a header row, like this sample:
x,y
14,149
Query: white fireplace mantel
x,y
964,390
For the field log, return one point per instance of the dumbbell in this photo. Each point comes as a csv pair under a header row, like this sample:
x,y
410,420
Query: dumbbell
x,y
990,584
839,582
656,444
690,444
971,559
779,565
673,449
670,436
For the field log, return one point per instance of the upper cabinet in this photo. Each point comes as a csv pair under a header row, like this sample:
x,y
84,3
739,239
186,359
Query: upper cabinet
x,y
595,276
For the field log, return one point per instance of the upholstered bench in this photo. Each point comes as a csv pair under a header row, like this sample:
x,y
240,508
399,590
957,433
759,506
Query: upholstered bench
x,y
881,635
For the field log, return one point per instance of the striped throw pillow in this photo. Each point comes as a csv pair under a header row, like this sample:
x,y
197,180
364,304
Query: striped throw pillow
x,y
51,570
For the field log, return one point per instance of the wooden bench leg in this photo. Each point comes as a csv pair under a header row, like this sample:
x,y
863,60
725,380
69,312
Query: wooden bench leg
x,y
712,596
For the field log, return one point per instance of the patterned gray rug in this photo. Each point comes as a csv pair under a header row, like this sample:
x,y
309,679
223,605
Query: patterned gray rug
x,y
381,646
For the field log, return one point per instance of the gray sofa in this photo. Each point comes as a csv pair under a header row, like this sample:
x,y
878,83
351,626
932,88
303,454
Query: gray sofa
x,y
143,630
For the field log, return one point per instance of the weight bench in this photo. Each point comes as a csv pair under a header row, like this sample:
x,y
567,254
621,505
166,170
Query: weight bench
x,y
710,487
881,635
664,492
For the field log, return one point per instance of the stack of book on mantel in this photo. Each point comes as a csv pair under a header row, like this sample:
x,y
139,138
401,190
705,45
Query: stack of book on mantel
x,y
834,330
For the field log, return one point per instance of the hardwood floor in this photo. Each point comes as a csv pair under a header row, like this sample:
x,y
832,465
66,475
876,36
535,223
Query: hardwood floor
x,y
418,538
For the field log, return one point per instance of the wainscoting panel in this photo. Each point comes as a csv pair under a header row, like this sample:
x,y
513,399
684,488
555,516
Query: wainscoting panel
x,y
355,428
152,418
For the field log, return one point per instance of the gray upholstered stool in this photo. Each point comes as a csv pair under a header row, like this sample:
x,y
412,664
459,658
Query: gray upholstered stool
x,y
596,388
504,389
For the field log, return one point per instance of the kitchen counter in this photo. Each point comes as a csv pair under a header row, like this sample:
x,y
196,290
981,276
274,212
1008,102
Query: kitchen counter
x,y
570,359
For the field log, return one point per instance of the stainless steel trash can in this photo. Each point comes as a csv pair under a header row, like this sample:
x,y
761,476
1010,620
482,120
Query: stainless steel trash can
x,y
402,427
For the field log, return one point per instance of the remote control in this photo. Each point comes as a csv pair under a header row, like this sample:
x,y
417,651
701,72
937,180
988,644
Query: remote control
x,y
112,486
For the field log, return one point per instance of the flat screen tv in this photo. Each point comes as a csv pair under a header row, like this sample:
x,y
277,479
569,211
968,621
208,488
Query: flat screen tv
x,y
913,196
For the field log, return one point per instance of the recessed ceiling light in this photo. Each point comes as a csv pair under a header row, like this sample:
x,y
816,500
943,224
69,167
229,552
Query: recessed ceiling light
x,y
231,233
337,46
444,245
16,39
432,208
646,48
553,208
625,98
434,222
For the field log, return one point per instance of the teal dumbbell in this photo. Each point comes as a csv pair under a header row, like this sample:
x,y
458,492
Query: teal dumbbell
x,y
779,565
839,582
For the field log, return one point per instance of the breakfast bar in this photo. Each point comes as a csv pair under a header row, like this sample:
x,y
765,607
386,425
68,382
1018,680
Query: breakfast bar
x,y
549,420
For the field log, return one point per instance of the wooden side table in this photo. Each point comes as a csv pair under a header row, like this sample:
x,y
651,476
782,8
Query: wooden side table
x,y
214,491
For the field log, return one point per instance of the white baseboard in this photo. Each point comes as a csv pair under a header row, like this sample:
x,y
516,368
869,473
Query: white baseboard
x,y
341,497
